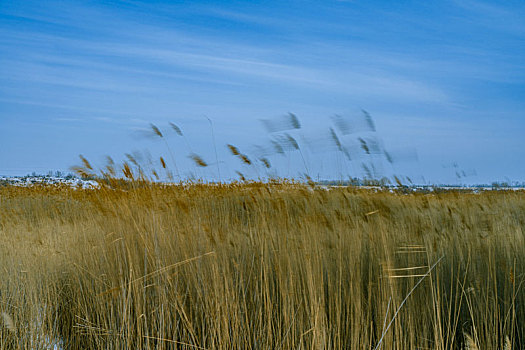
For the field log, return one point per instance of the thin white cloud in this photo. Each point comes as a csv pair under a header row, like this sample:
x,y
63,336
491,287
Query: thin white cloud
x,y
66,119
77,108
383,84
387,85
501,16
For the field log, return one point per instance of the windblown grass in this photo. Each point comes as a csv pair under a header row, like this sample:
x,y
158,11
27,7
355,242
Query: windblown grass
x,y
260,266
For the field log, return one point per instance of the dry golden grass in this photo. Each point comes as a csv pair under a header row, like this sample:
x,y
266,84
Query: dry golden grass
x,y
260,266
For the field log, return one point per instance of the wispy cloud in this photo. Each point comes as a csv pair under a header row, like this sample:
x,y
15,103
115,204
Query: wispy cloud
x,y
504,16
65,119
93,74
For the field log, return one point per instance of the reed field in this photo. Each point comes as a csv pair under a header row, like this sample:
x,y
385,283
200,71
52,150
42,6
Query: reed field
x,y
278,265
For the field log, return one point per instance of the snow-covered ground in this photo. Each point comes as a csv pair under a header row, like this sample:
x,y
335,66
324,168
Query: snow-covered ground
x,y
25,181
76,182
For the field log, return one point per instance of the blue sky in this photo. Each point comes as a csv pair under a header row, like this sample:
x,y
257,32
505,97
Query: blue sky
x,y
443,81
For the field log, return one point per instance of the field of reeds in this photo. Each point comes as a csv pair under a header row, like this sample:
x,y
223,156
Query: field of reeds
x,y
276,265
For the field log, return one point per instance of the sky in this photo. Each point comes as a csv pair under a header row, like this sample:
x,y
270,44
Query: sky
x,y
442,81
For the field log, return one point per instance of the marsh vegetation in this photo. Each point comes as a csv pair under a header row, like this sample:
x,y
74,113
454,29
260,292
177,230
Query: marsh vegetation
x,y
276,265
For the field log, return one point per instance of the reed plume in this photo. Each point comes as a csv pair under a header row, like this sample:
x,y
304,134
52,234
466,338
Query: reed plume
x,y
198,160
234,150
